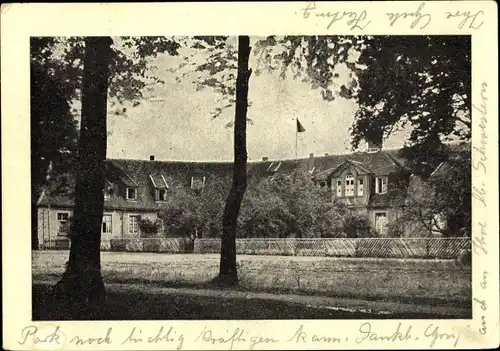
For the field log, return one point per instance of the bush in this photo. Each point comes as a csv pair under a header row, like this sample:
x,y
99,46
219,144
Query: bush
x,y
192,215
149,228
395,229
358,226
464,258
289,206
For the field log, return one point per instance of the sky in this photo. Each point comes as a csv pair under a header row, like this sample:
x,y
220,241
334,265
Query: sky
x,y
174,121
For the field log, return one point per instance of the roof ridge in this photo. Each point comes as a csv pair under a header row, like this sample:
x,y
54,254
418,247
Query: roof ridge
x,y
330,155
392,159
360,164
167,161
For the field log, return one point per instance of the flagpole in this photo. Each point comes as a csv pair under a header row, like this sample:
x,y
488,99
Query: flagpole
x,y
296,137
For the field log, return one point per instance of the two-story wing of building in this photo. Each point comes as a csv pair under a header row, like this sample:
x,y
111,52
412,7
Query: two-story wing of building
x,y
373,183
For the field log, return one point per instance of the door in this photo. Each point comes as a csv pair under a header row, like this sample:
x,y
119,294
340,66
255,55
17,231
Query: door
x,y
381,223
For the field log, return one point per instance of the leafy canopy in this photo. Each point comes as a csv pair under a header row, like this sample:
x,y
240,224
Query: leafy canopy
x,y
420,82
131,63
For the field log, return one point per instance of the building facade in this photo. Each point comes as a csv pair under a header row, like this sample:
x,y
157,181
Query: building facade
x,y
374,183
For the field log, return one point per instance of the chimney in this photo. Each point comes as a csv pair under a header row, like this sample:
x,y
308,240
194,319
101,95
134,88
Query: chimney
x,y
265,158
310,162
152,158
375,142
371,145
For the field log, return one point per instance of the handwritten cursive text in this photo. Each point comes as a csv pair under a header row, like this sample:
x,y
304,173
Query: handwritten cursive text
x,y
417,15
354,19
468,18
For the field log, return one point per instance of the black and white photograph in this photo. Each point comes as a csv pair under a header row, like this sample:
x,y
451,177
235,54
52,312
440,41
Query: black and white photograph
x,y
286,177
209,177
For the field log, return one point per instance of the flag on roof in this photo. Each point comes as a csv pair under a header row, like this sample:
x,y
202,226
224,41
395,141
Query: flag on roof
x,y
300,127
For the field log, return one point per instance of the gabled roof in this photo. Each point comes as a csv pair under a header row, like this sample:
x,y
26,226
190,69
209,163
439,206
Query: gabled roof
x,y
147,175
359,166
260,169
377,163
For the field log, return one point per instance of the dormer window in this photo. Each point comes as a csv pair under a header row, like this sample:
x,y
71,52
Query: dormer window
x,y
108,189
349,185
161,194
273,167
198,183
161,187
380,185
131,193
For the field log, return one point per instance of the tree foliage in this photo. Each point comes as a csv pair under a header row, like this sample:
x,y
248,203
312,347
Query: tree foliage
x,y
53,130
452,194
286,205
419,82
188,213
56,82
130,64
442,202
290,205
317,59
53,138
149,227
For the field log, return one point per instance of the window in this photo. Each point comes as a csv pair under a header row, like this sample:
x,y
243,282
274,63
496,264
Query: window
x,y
339,188
106,223
131,194
360,186
349,185
63,220
381,222
161,187
161,194
108,189
197,183
381,185
133,224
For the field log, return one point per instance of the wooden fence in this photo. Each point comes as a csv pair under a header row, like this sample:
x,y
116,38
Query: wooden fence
x,y
167,245
341,247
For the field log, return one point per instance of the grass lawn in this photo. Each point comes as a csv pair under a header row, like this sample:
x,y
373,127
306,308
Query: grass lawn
x,y
146,302
431,282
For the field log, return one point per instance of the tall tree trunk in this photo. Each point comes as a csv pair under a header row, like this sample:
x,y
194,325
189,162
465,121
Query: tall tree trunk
x,y
228,273
82,280
35,245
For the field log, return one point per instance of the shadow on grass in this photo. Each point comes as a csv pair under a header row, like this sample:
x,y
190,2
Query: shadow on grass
x,y
128,305
215,284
